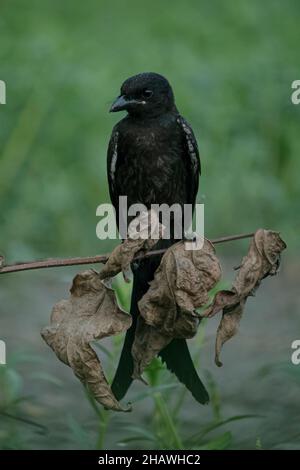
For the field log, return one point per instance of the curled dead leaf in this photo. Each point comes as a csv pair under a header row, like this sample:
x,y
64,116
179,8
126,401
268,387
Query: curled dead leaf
x,y
90,313
147,344
143,233
262,260
228,327
181,284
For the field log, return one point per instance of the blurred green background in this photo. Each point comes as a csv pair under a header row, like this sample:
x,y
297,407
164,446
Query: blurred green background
x,y
231,65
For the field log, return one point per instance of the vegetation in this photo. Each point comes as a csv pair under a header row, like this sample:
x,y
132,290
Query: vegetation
x,y
231,65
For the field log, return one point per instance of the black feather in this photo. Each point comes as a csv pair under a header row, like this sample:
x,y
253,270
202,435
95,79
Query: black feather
x,y
179,361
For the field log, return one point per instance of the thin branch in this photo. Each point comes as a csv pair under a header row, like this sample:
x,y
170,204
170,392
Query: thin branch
x,y
57,263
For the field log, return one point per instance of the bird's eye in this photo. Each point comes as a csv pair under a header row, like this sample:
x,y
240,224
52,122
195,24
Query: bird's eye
x,y
147,93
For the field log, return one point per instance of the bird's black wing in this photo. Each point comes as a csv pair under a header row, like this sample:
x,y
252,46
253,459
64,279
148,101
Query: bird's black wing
x,y
193,158
112,162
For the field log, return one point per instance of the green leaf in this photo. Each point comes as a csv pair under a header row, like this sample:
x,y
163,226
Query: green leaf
x,y
152,390
79,434
167,422
11,384
41,375
153,371
220,443
211,427
142,433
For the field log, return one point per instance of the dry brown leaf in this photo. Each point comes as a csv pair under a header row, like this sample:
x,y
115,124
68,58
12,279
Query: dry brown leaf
x,y
140,239
148,342
228,327
90,313
180,285
121,257
262,260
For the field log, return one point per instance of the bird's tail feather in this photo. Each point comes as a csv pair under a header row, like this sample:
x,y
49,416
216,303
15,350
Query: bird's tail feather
x,y
176,355
123,376
178,360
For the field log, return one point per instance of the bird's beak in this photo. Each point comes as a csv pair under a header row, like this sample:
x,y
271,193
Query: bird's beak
x,y
119,104
122,103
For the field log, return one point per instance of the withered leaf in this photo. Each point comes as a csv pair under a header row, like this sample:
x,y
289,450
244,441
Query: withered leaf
x,y
262,260
148,342
121,257
228,327
90,313
181,284
143,233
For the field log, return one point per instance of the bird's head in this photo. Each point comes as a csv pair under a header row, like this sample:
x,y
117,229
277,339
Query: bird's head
x,y
145,94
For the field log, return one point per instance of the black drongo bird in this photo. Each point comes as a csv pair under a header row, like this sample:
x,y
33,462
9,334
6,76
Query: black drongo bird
x,y
153,158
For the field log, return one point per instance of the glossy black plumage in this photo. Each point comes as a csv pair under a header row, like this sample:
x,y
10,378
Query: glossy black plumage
x,y
152,159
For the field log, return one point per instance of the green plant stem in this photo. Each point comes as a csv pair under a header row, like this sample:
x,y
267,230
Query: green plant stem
x,y
167,420
103,426
103,418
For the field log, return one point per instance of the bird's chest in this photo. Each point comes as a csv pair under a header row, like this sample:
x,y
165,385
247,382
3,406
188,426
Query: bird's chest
x,y
152,169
